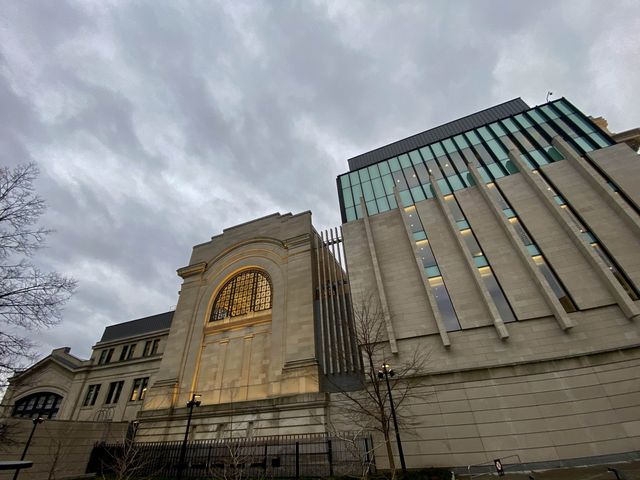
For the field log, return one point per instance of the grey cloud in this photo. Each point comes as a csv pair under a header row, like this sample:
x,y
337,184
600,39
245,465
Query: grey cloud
x,y
158,124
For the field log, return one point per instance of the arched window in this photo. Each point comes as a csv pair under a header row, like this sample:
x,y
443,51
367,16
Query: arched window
x,y
249,291
41,404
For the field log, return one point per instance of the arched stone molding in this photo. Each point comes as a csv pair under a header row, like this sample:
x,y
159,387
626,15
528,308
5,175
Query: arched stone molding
x,y
269,258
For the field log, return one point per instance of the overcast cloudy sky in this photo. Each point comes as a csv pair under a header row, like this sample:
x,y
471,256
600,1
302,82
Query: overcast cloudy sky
x,y
156,124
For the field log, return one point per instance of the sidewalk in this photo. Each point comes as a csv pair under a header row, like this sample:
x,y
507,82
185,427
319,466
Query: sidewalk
x,y
626,470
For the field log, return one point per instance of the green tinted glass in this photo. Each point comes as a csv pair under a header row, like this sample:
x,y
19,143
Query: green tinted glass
x,y
444,187
405,198
426,153
416,159
383,205
367,189
535,115
473,138
418,194
449,146
484,133
404,160
461,141
378,188
346,197
387,181
394,164
438,151
497,129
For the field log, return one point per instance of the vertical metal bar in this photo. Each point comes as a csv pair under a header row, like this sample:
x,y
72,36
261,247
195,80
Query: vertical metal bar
x,y
330,457
325,294
344,318
354,339
297,460
322,332
335,313
266,453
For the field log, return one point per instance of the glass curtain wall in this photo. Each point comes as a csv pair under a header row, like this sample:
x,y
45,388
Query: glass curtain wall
x,y
528,134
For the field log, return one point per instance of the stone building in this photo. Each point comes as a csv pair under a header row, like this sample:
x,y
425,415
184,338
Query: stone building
x,y
504,244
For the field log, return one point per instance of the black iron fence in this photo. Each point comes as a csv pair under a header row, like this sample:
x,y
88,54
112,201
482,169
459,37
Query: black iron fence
x,y
283,456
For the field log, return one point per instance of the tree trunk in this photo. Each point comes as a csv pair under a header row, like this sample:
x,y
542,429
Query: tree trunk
x,y
392,462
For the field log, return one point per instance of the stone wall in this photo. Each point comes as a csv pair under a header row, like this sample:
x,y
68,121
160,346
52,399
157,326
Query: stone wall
x,y
59,448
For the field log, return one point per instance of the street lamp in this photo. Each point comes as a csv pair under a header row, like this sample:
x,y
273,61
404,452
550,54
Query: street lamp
x,y
36,422
183,452
385,373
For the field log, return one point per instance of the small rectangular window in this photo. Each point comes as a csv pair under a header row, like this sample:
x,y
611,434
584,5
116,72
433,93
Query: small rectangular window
x,y
113,395
92,395
139,390
105,356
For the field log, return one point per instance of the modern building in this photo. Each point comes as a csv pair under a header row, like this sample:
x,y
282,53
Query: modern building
x,y
506,244
503,244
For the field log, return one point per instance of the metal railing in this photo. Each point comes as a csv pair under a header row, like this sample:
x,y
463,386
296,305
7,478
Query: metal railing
x,y
283,456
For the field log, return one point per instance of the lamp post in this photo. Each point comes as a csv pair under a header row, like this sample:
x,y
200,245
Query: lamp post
x,y
36,422
385,373
183,452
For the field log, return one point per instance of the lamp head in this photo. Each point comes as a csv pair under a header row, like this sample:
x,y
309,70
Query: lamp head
x,y
38,420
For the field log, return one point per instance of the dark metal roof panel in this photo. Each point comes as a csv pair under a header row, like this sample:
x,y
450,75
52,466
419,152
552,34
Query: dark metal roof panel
x,y
140,326
475,120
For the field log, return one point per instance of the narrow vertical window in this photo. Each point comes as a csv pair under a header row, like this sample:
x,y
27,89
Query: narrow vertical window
x,y
480,260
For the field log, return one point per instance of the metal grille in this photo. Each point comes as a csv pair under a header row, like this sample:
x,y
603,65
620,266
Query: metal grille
x,y
249,291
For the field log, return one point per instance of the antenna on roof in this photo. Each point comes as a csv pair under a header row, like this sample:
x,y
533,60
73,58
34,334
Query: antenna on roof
x,y
549,93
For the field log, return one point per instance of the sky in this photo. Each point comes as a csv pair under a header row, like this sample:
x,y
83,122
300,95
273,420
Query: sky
x,y
157,124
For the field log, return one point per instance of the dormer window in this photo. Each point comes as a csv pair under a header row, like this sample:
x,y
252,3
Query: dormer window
x,y
247,292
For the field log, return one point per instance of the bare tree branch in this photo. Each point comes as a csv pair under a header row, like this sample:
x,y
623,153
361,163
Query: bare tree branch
x,y
29,298
369,406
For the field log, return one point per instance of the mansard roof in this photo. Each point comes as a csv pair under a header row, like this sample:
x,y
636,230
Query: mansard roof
x,y
140,326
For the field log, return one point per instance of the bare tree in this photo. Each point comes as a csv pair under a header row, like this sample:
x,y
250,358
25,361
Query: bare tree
x,y
370,405
129,462
29,298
